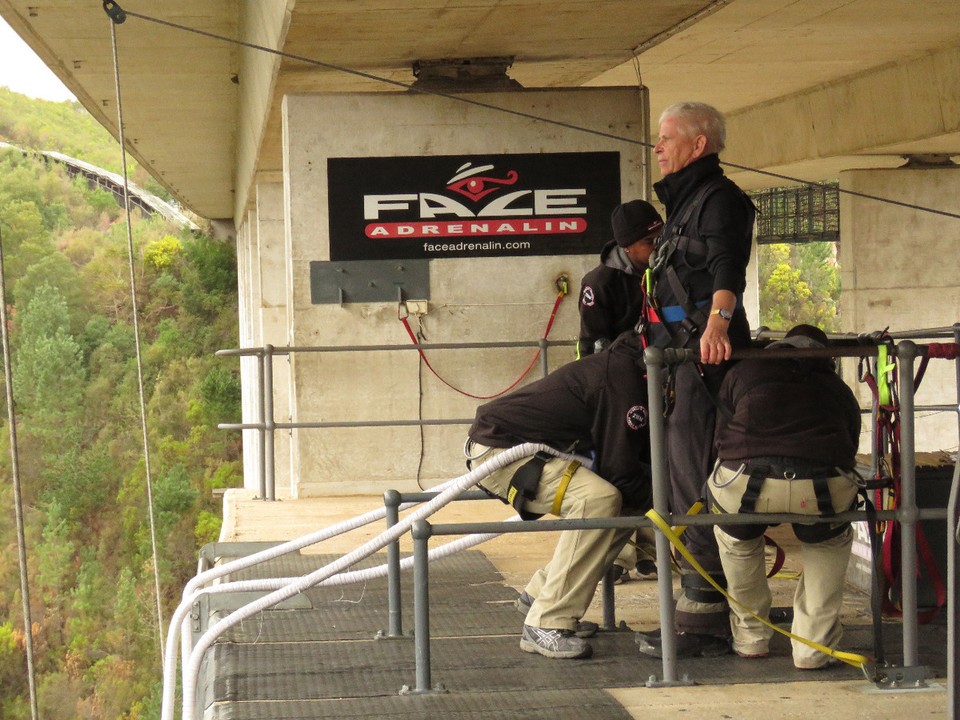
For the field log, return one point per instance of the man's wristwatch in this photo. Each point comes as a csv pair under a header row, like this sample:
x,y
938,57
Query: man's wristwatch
x,y
725,314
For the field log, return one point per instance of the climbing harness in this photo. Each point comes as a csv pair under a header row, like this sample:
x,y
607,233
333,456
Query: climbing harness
x,y
526,480
689,315
882,379
563,290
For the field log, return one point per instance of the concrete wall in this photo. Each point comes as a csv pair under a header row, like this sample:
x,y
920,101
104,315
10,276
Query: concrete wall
x,y
899,271
472,300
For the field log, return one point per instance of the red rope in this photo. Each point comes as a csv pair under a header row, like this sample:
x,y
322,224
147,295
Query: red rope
x,y
553,315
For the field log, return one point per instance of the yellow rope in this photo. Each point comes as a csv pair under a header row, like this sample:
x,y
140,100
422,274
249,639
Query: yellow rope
x,y
858,661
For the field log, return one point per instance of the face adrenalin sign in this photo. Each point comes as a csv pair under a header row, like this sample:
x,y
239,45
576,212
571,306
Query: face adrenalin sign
x,y
471,205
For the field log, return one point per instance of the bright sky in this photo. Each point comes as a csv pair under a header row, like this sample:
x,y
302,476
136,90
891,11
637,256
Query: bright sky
x,y
23,72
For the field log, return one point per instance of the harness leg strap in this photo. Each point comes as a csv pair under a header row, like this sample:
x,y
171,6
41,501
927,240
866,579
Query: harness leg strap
x,y
562,490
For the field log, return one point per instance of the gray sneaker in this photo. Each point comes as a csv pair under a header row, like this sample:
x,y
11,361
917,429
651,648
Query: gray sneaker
x,y
585,628
555,644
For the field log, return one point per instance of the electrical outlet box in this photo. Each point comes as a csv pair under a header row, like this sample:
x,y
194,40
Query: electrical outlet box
x,y
416,307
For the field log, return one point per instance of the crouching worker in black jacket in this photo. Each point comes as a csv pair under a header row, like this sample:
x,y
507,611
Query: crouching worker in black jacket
x,y
789,446
600,404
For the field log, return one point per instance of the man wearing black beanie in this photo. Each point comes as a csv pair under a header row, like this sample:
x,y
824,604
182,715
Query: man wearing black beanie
x,y
611,295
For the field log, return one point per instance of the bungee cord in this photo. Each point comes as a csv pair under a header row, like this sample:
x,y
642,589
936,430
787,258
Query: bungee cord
x,y
115,11
17,496
136,337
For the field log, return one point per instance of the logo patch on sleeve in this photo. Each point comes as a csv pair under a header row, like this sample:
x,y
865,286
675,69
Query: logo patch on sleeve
x,y
637,417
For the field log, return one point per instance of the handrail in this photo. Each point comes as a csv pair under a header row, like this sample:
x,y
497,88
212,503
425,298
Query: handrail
x,y
907,514
266,425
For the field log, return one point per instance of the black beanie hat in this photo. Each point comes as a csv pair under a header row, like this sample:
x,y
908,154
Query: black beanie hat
x,y
634,220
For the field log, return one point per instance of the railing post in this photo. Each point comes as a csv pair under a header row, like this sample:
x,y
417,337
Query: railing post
x,y
906,354
655,359
391,501
261,429
421,532
269,430
609,597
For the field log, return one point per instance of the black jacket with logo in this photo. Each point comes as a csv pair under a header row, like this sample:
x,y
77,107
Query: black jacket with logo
x,y
611,299
598,403
790,408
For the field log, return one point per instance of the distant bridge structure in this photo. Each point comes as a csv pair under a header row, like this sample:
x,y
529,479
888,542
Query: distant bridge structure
x,y
113,183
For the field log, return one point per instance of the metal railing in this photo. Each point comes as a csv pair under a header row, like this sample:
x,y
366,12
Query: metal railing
x,y
911,674
266,424
907,514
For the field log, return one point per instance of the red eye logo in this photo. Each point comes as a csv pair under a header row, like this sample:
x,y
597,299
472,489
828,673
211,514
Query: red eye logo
x,y
471,184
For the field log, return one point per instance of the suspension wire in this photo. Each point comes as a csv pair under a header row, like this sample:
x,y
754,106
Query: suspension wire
x,y
136,336
17,498
517,113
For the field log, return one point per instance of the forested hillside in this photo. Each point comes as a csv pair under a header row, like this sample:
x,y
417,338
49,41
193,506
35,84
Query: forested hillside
x,y
81,454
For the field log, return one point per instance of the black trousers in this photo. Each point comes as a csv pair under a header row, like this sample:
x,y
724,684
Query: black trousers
x,y
690,457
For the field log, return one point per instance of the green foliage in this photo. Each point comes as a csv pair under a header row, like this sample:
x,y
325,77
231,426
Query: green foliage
x,y
220,392
208,528
13,680
799,284
48,366
161,254
62,126
75,383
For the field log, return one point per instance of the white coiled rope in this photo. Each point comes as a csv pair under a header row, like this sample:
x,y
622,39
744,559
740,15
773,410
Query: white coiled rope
x,y
192,660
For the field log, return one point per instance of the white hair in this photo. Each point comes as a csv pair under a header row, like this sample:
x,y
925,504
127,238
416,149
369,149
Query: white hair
x,y
696,118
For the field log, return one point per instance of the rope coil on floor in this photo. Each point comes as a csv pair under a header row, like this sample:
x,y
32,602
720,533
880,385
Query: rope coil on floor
x,y
193,660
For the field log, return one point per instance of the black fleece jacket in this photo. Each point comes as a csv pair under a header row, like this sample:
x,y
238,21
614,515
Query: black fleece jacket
x,y
724,222
788,408
611,299
597,403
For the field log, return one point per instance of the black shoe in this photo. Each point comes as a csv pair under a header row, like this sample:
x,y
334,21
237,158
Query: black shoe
x,y
620,575
585,628
781,615
555,644
689,645
647,569
650,636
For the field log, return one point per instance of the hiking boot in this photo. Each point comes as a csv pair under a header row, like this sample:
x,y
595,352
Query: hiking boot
x,y
585,628
555,644
647,569
689,645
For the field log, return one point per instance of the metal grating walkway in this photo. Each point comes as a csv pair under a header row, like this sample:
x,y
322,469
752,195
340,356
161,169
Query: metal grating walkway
x,y
326,656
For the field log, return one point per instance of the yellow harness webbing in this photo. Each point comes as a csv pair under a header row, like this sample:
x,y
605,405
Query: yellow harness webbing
x,y
858,661
564,481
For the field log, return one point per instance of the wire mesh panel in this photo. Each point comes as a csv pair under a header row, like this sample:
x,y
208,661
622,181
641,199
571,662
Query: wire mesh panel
x,y
799,214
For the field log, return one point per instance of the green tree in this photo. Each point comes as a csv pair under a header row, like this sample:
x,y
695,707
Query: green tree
x,y
49,375
799,284
81,445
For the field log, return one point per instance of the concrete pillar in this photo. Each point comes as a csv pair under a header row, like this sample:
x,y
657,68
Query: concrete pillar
x,y
475,299
248,316
899,271
271,261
